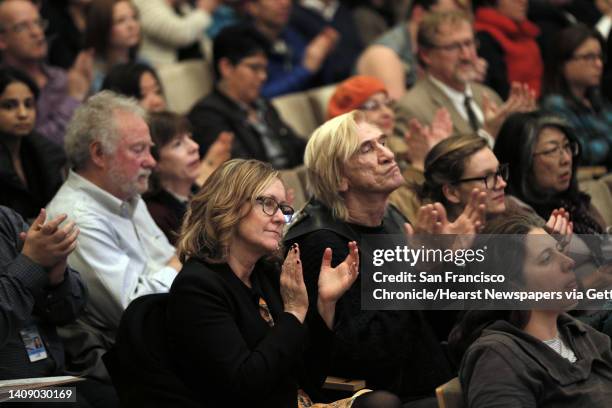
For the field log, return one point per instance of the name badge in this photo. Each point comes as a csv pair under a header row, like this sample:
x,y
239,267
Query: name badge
x,y
33,343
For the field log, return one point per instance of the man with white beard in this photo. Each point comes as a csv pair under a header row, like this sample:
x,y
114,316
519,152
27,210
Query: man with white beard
x,y
121,253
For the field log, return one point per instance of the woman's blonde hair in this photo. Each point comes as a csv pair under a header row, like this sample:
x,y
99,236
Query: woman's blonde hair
x,y
214,213
329,148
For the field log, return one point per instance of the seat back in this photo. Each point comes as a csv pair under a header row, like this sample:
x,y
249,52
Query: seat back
x,y
139,363
600,191
450,395
319,98
185,83
305,111
295,179
296,110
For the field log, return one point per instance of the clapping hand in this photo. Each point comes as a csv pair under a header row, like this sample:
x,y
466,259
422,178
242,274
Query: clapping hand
x,y
334,282
561,227
292,287
420,139
521,99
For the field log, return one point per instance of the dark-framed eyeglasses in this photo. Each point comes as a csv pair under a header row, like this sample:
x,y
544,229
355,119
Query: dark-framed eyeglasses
x,y
571,148
590,57
270,206
374,105
491,180
456,47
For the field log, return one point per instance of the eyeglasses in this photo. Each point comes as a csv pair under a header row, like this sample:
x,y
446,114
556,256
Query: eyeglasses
x,y
456,47
257,68
590,57
19,28
491,180
374,105
571,148
270,206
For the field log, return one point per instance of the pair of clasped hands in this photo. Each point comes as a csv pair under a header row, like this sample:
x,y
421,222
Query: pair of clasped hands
x,y
48,244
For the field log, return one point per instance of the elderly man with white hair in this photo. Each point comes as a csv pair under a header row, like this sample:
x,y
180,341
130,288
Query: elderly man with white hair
x,y
121,253
352,173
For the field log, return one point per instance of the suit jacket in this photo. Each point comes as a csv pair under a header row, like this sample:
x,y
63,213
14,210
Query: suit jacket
x,y
425,98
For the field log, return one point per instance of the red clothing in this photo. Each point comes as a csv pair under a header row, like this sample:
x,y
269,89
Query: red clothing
x,y
521,52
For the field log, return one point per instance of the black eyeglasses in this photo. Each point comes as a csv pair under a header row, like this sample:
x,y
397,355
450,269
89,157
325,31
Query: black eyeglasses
x,y
491,180
571,148
590,57
456,47
270,206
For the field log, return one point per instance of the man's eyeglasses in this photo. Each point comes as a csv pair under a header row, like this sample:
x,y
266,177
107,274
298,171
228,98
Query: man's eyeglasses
x,y
270,206
456,47
374,105
257,68
491,180
590,57
571,148
19,28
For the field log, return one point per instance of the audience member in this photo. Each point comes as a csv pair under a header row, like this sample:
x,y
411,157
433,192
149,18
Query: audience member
x,y
550,18
250,324
32,168
173,181
113,32
66,32
179,173
543,153
310,18
121,252
23,46
373,17
507,40
236,105
173,30
463,169
40,292
137,80
534,357
447,48
607,75
392,57
351,173
369,95
293,61
572,89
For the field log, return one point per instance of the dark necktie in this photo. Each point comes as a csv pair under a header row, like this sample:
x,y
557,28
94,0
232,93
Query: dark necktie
x,y
471,114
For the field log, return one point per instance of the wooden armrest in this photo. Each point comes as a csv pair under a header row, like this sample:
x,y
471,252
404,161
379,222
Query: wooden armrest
x,y
343,384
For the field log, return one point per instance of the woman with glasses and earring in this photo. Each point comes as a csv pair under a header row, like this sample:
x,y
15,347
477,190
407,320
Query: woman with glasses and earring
x,y
238,333
572,89
543,153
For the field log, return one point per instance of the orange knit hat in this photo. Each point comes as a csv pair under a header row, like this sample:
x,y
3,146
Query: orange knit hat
x,y
352,93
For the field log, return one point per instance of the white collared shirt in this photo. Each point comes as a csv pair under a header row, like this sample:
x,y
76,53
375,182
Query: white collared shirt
x,y
120,253
458,100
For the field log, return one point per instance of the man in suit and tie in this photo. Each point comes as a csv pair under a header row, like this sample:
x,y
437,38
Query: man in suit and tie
x,y
447,50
